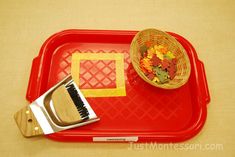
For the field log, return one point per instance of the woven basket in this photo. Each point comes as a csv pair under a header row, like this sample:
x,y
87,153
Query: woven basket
x,y
161,38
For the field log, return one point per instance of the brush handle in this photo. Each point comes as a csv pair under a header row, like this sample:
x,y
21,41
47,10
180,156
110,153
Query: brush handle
x,y
27,122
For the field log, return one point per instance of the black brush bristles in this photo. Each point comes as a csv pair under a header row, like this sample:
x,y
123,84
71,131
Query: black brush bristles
x,y
77,101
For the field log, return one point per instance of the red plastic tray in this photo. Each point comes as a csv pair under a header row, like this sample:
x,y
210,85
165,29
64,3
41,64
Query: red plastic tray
x,y
146,113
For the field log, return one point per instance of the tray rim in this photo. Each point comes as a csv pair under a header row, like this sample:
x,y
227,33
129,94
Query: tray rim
x,y
173,137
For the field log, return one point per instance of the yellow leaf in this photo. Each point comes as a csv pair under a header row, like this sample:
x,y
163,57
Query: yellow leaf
x,y
159,54
158,47
170,55
150,52
155,79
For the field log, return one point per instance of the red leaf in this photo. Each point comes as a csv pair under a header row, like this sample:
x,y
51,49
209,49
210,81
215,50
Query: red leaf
x,y
165,64
156,61
151,76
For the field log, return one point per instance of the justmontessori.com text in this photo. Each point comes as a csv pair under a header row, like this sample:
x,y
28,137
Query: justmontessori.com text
x,y
175,146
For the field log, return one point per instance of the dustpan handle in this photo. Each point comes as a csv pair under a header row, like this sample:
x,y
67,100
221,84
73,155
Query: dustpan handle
x,y
27,122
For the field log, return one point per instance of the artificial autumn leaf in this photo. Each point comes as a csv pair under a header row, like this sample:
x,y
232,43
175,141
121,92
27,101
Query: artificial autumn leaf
x,y
169,55
171,68
158,64
151,76
156,79
159,54
161,74
165,64
146,64
172,74
163,50
155,60
144,70
158,47
150,52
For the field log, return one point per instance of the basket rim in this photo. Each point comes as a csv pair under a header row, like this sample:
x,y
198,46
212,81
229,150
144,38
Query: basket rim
x,y
164,85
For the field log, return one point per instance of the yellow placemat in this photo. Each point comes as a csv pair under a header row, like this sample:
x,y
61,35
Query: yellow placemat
x,y
120,89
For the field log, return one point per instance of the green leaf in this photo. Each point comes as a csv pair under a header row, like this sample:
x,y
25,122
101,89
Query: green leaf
x,y
161,74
